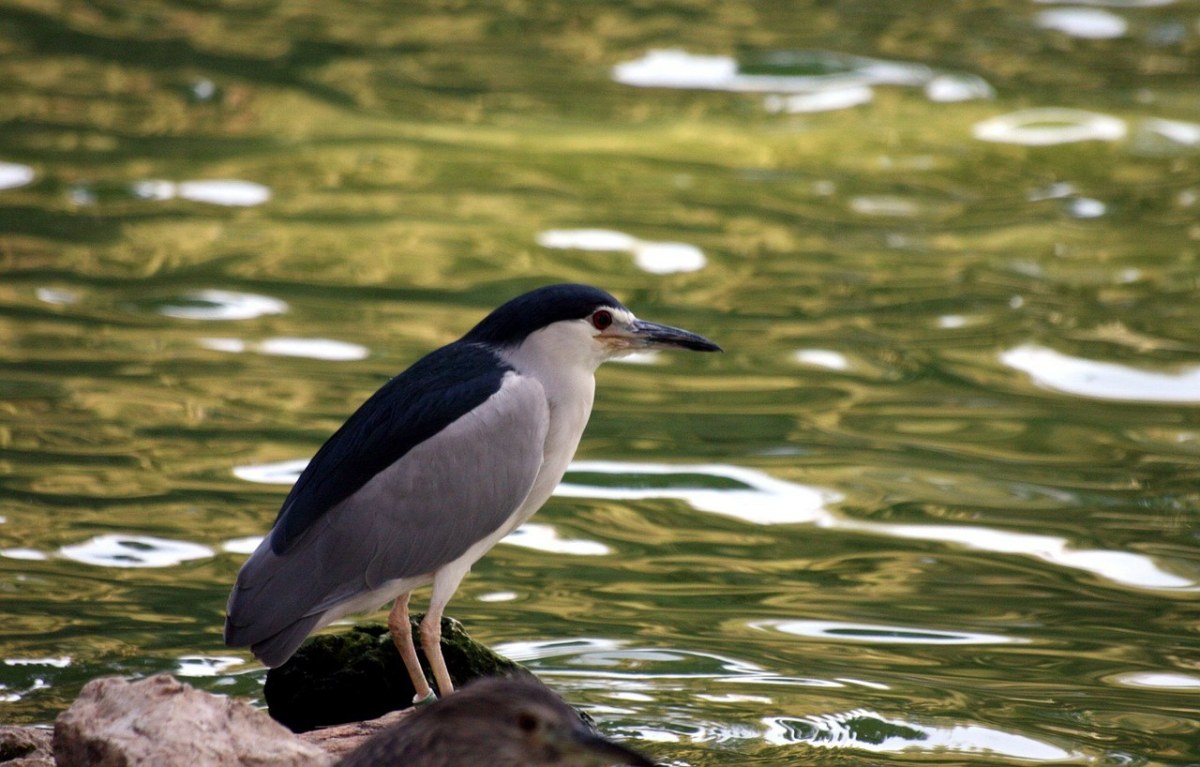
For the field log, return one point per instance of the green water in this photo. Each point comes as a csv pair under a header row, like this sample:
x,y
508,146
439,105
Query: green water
x,y
938,500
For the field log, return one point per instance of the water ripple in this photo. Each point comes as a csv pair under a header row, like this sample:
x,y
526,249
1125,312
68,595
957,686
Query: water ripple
x,y
862,632
227,192
217,305
1085,23
652,257
134,551
545,538
311,348
1103,380
763,499
1048,126
868,731
13,175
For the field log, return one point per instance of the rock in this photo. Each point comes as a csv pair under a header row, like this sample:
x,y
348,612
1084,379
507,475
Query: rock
x,y
358,675
341,739
161,722
25,747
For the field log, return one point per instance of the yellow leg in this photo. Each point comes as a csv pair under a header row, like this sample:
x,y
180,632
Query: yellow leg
x,y
402,637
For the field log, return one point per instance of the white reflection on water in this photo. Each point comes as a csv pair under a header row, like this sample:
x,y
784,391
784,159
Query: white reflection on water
x,y
876,634
1154,135
823,358
311,348
31,555
652,257
824,100
1112,3
134,551
281,473
1048,126
224,191
868,731
764,499
57,296
1103,380
197,666
1158,680
245,545
545,538
62,661
680,69
1086,23
949,88
830,80
223,305
13,175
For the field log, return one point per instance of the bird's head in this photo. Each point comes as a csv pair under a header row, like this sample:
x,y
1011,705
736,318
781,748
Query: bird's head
x,y
552,735
577,324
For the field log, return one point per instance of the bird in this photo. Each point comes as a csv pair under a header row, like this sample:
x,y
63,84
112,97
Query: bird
x,y
499,722
432,470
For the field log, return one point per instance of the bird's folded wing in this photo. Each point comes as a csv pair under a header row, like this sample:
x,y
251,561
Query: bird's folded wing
x,y
417,514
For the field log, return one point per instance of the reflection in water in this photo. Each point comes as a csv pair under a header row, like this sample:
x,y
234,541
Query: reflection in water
x,y
134,551
32,555
223,305
532,535
13,175
1086,23
953,87
1048,126
826,100
57,296
196,666
280,473
766,500
823,358
230,192
798,81
1153,136
758,498
869,731
774,74
653,257
59,662
1103,380
311,348
862,632
1158,680
245,545
613,660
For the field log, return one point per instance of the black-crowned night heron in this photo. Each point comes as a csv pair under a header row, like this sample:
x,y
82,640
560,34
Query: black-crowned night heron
x,y
494,723
430,472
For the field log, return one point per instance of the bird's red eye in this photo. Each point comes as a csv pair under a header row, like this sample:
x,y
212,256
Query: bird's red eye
x,y
602,319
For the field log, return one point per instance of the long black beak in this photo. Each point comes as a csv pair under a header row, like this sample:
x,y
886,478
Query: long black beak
x,y
608,752
655,336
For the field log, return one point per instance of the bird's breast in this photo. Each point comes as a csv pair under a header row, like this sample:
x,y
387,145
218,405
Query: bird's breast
x,y
570,406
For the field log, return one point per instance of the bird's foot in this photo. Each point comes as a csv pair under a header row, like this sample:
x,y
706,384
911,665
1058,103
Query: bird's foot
x,y
426,699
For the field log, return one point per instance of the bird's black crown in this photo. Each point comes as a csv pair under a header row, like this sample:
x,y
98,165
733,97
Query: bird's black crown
x,y
512,322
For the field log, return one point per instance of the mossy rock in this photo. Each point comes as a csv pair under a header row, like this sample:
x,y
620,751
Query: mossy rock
x,y
358,675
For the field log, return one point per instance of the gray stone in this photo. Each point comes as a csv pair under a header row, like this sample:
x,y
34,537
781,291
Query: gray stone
x,y
25,747
161,722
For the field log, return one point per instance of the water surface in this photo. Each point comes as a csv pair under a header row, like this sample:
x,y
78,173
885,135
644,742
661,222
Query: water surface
x,y
938,500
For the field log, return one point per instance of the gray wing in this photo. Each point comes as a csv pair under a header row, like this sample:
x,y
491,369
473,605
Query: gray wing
x,y
413,517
